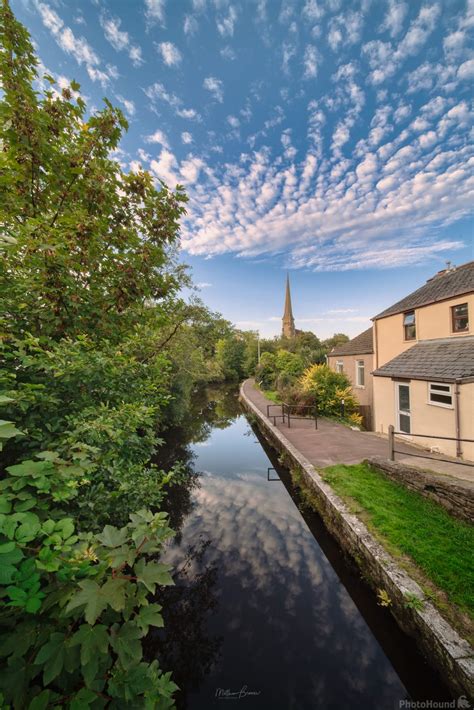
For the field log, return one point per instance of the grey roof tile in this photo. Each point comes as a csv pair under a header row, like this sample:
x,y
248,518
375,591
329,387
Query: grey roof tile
x,y
445,284
361,344
444,359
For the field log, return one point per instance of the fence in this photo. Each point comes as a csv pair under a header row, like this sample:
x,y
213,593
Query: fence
x,y
287,416
392,450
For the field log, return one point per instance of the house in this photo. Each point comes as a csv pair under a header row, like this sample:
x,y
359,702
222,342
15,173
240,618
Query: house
x,y
355,359
423,378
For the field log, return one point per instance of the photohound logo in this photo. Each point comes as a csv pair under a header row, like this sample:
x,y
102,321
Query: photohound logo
x,y
461,703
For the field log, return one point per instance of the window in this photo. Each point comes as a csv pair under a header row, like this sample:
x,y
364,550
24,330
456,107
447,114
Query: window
x,y
460,318
440,394
409,325
339,366
360,373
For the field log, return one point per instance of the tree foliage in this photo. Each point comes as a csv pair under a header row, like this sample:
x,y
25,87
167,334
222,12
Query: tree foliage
x,y
94,339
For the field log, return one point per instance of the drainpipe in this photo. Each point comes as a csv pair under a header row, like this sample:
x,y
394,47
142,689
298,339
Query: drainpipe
x,y
457,419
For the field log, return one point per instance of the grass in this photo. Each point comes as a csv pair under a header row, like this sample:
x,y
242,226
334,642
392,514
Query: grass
x,y
415,530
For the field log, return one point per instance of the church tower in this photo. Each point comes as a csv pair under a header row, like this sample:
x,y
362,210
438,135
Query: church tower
x,y
288,322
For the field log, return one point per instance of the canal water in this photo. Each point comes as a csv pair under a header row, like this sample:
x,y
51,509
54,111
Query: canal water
x,y
266,611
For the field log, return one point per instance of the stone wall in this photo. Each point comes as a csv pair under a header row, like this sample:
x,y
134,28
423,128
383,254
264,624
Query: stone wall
x,y
455,495
440,643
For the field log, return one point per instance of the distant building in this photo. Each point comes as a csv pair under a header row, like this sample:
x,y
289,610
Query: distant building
x,y
356,360
423,379
288,322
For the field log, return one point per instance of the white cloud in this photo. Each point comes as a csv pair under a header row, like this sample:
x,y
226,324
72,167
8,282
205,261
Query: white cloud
x,y
233,121
395,17
311,59
228,53
190,25
225,24
215,87
155,11
186,138
370,208
385,59
119,39
169,53
466,70
158,137
129,105
166,168
203,284
78,47
157,92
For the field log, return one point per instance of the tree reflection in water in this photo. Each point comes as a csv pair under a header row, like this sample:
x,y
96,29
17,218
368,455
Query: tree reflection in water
x,y
184,645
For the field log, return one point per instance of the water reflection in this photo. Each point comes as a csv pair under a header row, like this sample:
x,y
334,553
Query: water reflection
x,y
259,604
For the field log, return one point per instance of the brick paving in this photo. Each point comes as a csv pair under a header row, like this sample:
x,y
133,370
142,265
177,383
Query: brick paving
x,y
334,443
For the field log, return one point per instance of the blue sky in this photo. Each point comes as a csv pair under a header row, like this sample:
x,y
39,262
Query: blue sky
x,y
332,139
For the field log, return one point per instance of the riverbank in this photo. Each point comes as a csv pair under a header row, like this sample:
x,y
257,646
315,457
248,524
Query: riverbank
x,y
441,644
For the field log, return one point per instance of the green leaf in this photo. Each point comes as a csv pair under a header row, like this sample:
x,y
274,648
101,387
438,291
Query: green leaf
x,y
90,596
93,640
152,574
83,699
114,593
149,616
112,537
51,657
127,645
8,430
5,400
41,701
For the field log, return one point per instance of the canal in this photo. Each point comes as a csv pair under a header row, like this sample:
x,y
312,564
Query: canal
x,y
266,611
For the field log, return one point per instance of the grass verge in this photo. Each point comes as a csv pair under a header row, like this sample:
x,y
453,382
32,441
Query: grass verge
x,y
435,548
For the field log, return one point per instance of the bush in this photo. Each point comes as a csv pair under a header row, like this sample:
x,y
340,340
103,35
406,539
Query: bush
x,y
329,390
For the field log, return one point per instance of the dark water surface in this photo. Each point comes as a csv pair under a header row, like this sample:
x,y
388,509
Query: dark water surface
x,y
266,612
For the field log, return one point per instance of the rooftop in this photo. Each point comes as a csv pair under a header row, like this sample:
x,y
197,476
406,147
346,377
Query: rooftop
x,y
451,282
439,360
361,344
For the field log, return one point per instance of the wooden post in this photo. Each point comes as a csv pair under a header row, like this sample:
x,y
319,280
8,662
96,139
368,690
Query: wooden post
x,y
391,442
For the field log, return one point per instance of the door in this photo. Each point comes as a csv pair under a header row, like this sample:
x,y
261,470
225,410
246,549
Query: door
x,y
403,408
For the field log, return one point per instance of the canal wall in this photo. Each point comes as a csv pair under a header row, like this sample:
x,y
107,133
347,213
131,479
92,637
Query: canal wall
x,y
440,643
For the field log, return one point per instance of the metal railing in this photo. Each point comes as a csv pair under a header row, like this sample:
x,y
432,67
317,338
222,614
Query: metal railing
x,y
392,433
287,416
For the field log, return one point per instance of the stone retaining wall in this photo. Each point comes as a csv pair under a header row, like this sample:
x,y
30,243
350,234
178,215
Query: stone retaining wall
x,y
455,495
440,643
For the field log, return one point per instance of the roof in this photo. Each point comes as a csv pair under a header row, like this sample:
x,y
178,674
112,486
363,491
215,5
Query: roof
x,y
445,284
440,360
361,344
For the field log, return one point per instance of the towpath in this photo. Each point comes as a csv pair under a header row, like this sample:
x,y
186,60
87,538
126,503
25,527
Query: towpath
x,y
332,443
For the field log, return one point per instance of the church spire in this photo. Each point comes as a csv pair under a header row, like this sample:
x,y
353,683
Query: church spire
x,y
288,322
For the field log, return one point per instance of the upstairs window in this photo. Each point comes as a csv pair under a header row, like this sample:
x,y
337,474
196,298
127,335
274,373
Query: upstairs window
x,y
360,373
339,366
409,325
460,318
440,394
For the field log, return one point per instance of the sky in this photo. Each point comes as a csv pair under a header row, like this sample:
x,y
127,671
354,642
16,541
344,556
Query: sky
x,y
324,138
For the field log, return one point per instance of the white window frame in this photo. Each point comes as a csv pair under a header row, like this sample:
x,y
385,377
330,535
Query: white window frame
x,y
339,366
448,393
358,368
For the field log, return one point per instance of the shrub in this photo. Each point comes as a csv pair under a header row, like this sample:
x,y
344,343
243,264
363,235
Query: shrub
x,y
329,389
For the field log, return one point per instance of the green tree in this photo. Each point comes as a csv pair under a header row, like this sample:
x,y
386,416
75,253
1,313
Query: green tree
x,y
336,339
230,353
89,246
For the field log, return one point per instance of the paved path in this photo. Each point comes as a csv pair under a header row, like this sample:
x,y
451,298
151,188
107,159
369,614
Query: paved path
x,y
334,443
